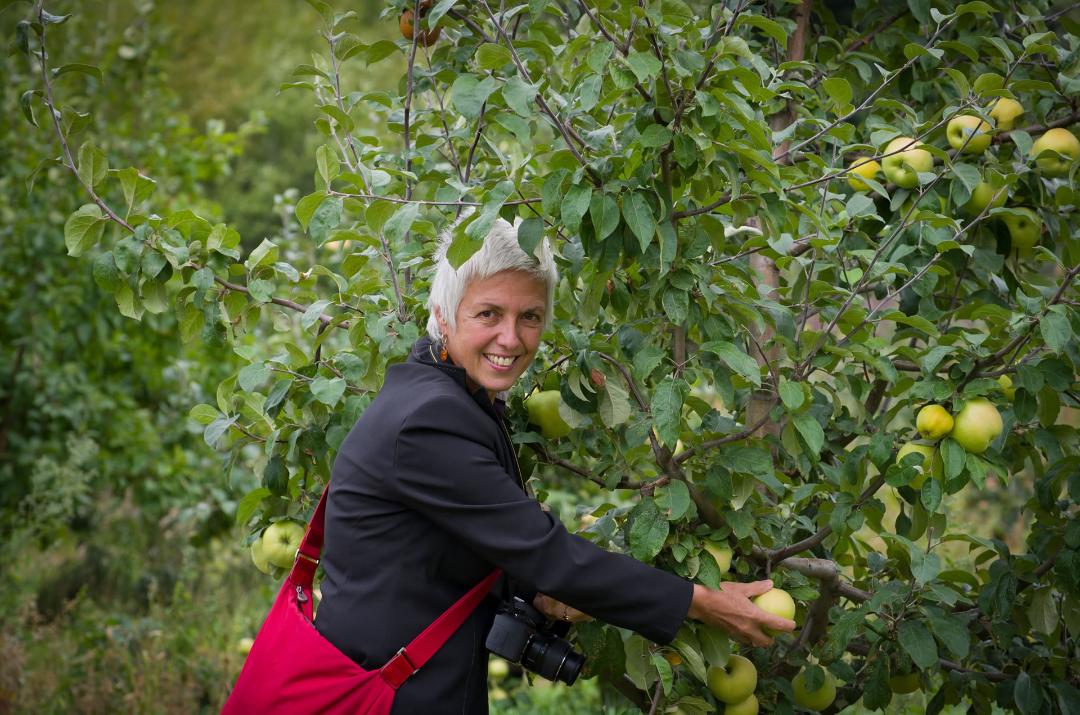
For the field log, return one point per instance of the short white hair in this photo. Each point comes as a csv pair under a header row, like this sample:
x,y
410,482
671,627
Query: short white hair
x,y
500,252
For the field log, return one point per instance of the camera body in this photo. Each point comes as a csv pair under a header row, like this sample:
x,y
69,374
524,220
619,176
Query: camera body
x,y
521,634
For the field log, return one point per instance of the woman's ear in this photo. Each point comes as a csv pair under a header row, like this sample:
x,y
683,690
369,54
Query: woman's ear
x,y
444,329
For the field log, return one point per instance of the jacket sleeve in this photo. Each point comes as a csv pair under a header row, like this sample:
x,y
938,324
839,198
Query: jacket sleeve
x,y
444,470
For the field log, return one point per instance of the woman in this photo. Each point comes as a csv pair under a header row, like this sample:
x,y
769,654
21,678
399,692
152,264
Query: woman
x,y
427,498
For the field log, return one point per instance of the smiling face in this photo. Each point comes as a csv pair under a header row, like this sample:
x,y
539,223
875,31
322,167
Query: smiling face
x,y
499,322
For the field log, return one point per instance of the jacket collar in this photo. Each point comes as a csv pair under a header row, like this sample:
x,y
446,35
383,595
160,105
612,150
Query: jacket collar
x,y
427,352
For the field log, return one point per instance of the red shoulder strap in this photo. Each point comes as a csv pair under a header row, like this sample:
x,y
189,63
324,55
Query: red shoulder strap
x,y
412,657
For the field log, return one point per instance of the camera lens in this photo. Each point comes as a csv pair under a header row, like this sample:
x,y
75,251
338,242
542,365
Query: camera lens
x,y
552,658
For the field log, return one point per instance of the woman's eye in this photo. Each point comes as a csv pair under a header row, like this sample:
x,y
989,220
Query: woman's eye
x,y
486,314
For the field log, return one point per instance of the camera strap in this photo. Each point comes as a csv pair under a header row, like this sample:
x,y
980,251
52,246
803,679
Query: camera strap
x,y
412,657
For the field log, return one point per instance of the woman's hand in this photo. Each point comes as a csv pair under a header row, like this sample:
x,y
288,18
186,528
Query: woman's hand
x,y
558,611
730,608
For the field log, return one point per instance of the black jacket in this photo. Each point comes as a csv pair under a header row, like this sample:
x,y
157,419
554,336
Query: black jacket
x,y
425,500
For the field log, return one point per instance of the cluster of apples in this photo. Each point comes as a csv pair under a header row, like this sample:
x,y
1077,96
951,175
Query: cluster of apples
x,y
277,546
1055,152
974,427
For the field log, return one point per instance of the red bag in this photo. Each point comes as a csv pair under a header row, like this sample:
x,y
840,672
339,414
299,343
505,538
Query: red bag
x,y
292,669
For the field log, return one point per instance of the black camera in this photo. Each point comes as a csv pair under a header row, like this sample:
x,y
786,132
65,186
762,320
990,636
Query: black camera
x,y
520,634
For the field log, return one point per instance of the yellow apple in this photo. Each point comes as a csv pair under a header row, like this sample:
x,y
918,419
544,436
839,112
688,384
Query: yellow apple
x,y
1007,386
543,409
932,463
981,197
818,699
1057,140
258,557
903,168
1024,230
868,169
734,682
243,645
977,424
934,422
778,602
1005,111
280,542
968,125
498,668
904,684
721,554
745,707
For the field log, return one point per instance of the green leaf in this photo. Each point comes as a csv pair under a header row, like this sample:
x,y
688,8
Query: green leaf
x,y
313,313
530,233
919,644
106,274
83,229
655,135
736,359
811,431
204,414
770,27
675,498
217,429
469,94
328,390
398,225
643,64
604,212
329,166
639,218
574,205
1042,611
305,207
325,219
1028,694
249,504
666,408
263,255
952,631
839,90
90,70
1056,331
251,376
491,57
648,530
969,175
953,457
519,96
93,164
925,567
614,405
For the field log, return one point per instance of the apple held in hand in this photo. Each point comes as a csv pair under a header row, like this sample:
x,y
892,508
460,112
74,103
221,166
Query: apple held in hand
x,y
1057,140
778,602
818,699
745,707
734,682
866,168
543,409
934,422
280,542
1024,230
1005,111
977,424
964,126
903,168
258,557
985,194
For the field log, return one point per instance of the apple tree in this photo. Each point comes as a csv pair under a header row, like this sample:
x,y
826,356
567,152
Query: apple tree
x,y
784,229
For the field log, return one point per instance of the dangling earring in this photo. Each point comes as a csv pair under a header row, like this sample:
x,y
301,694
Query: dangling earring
x,y
442,348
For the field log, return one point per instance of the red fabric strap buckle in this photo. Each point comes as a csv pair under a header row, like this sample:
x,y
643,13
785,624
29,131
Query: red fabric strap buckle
x,y
398,669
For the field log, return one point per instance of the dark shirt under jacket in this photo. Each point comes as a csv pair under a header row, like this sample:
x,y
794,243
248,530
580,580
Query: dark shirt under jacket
x,y
425,501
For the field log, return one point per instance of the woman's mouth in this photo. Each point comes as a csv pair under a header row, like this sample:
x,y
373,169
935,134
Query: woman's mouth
x,y
500,362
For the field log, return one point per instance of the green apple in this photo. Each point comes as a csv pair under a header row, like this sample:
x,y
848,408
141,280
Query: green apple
x,y
818,699
778,602
498,668
721,554
864,168
903,168
968,125
932,463
1024,230
1005,111
904,684
743,707
734,682
1057,140
243,645
1007,387
258,557
543,409
977,424
981,197
934,422
280,542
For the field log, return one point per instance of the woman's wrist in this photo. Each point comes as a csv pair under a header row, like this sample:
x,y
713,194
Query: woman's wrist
x,y
697,602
